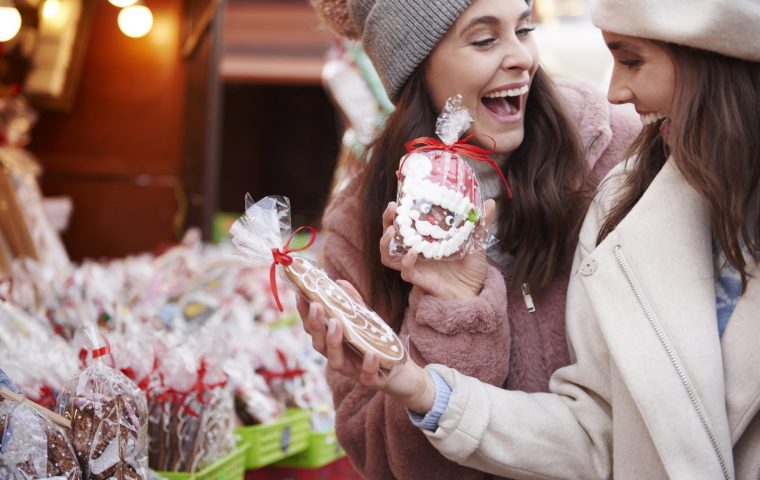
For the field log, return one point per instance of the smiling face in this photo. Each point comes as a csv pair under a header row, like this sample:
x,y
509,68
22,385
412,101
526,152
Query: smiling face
x,y
488,56
643,74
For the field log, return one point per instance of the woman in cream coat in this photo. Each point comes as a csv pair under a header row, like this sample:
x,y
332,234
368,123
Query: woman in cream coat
x,y
663,309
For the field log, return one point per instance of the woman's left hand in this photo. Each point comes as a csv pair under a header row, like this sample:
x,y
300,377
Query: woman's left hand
x,y
449,279
408,383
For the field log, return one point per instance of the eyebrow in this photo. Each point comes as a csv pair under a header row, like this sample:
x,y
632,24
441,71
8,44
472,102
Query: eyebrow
x,y
619,45
491,20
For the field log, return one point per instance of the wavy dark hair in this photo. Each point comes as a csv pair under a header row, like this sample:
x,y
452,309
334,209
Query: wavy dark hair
x,y
714,140
547,174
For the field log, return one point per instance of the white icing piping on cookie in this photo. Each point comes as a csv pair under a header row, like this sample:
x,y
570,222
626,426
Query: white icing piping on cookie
x,y
364,325
412,230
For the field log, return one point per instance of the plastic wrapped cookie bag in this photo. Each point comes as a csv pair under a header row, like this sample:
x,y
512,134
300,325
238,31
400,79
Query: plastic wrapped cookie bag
x,y
263,236
32,446
440,210
109,419
190,410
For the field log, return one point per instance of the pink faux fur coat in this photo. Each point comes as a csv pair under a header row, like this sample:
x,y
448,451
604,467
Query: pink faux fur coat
x,y
491,337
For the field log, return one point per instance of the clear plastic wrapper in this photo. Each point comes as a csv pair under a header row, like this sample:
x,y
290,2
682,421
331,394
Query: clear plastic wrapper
x,y
263,236
440,210
39,361
109,420
190,411
32,446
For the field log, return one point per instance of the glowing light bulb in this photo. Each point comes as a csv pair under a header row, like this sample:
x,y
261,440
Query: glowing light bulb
x,y
50,9
10,22
135,21
122,3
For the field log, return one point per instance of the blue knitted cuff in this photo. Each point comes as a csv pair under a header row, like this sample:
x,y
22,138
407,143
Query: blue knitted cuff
x,y
429,421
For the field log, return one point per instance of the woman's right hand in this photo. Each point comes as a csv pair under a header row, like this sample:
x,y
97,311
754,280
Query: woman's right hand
x,y
451,279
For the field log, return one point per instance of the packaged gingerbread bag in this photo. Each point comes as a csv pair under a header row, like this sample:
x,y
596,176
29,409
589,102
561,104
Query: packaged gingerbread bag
x,y
109,419
263,235
32,446
440,210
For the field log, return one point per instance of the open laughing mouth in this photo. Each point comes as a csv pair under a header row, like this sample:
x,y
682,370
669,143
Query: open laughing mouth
x,y
506,104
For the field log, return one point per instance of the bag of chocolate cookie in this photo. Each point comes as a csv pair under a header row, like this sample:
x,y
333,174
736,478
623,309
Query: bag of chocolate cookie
x,y
109,419
263,236
440,210
32,446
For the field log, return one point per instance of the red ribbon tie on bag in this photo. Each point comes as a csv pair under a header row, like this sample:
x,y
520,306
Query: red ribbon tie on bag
x,y
100,352
462,147
282,257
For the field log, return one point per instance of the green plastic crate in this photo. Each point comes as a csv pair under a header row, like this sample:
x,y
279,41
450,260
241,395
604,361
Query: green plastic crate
x,y
276,440
231,467
323,449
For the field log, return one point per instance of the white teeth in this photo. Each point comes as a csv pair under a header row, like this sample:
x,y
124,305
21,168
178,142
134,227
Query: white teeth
x,y
650,118
510,92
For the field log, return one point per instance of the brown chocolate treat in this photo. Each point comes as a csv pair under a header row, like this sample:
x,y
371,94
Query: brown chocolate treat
x,y
61,460
363,329
102,433
190,434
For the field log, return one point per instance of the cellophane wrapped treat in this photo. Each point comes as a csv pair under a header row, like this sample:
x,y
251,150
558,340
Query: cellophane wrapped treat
x,y
440,210
109,420
263,235
32,446
191,411
39,361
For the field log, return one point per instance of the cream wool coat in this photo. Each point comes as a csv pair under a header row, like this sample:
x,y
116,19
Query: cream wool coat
x,y
653,392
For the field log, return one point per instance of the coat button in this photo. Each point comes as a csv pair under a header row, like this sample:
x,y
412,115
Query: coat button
x,y
588,267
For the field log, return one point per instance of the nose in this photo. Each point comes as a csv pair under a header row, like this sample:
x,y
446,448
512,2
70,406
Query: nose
x,y
517,56
619,92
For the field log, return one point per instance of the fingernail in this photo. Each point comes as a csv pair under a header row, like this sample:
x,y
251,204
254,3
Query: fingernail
x,y
331,326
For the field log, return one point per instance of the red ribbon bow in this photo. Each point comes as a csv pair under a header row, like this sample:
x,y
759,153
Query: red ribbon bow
x,y
462,147
283,258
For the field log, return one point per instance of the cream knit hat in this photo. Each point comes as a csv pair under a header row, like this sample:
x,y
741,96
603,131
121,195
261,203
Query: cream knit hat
x,y
728,27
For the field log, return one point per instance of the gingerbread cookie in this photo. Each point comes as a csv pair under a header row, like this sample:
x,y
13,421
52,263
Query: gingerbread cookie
x,y
108,415
363,329
31,446
439,205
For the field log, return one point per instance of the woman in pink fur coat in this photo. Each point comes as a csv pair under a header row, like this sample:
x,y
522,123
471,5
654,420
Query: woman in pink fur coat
x,y
496,315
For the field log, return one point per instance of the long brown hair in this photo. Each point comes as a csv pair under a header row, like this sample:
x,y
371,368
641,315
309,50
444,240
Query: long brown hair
x,y
547,174
714,140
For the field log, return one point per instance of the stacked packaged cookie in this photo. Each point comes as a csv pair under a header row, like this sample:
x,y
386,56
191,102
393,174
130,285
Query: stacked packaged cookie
x,y
109,419
32,446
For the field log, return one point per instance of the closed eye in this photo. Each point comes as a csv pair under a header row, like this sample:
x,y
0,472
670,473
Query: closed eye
x,y
484,43
524,32
631,63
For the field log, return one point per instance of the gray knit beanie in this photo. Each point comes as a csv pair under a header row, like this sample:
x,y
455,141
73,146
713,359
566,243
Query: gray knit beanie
x,y
399,34
730,27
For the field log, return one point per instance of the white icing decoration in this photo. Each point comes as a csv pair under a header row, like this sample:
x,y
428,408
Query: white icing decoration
x,y
417,165
362,325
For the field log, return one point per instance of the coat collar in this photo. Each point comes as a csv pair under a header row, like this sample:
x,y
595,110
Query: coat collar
x,y
665,244
741,361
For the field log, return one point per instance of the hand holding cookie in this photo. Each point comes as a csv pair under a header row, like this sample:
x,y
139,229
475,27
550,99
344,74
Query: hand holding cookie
x,y
408,382
452,279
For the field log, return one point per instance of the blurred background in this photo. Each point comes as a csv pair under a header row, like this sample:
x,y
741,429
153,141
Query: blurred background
x,y
146,118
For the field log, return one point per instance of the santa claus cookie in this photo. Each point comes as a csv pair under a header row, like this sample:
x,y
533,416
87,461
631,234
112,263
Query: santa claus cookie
x,y
439,205
363,329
